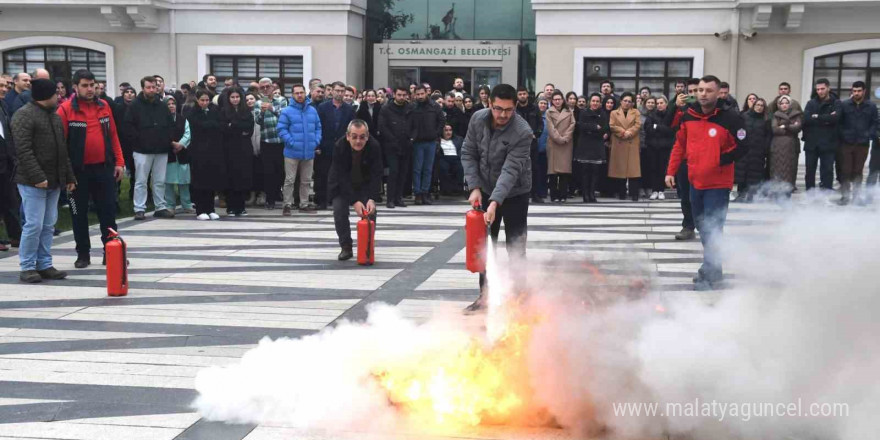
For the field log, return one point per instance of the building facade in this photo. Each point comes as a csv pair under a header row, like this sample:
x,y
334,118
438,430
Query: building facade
x,y
485,42
122,41
754,45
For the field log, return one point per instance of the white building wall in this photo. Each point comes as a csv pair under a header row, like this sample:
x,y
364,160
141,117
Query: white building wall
x,y
568,29
329,34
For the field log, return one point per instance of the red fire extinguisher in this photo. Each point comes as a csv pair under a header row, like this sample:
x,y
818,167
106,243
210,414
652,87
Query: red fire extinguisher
x,y
117,270
366,240
475,230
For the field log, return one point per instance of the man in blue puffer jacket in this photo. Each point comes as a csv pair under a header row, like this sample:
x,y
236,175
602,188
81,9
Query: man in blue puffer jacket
x,y
300,128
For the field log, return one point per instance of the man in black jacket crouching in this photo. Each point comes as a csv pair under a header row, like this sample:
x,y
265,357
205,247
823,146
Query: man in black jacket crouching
x,y
355,179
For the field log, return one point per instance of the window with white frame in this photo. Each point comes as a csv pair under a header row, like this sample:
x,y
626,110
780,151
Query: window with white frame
x,y
288,70
845,68
60,61
631,74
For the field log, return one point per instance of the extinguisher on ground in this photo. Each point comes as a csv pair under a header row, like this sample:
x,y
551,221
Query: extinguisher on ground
x,y
117,265
366,230
476,240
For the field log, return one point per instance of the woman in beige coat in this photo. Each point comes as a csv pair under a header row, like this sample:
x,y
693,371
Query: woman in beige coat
x,y
624,161
560,126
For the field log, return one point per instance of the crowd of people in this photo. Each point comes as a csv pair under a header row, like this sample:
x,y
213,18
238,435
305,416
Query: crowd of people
x,y
184,148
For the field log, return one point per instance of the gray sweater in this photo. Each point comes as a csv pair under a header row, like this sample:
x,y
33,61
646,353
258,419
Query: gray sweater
x,y
498,161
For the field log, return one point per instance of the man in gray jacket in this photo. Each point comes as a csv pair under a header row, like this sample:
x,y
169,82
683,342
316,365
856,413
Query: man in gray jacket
x,y
498,171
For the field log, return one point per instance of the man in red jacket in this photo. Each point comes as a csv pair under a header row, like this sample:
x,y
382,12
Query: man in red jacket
x,y
96,157
710,138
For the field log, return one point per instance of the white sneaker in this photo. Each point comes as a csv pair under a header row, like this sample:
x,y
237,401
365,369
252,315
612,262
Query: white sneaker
x,y
661,196
214,216
654,195
203,216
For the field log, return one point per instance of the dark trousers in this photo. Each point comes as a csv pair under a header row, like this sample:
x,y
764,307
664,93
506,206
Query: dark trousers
x,y
825,162
257,171
398,170
710,213
683,188
129,165
633,187
852,159
645,182
589,173
235,200
272,156
559,185
874,165
451,174
204,200
93,182
574,179
514,212
341,209
10,207
320,176
655,172
539,175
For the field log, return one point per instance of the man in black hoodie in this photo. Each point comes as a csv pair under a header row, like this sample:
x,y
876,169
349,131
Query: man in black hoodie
x,y
529,111
426,128
821,136
148,125
396,144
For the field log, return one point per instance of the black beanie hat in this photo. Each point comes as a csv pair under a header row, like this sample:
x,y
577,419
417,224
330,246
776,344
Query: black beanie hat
x,y
42,89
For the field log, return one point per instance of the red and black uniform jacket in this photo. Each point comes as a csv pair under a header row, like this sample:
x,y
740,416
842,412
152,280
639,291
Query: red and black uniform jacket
x,y
90,131
710,143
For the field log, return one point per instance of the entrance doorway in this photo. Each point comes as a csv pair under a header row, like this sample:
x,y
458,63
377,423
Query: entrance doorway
x,y
442,78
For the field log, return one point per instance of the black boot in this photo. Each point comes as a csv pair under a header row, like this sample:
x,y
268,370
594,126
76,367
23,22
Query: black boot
x,y
345,254
82,261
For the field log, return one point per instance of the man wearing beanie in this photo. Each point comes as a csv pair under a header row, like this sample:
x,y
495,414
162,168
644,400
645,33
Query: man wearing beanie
x,y
96,159
43,170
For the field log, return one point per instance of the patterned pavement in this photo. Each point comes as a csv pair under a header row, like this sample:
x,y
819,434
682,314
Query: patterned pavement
x,y
75,364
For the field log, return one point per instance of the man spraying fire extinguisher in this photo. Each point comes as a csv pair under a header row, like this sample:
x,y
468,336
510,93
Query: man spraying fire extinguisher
x,y
498,171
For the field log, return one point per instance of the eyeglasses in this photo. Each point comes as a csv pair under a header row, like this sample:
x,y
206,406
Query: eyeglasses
x,y
503,111
362,137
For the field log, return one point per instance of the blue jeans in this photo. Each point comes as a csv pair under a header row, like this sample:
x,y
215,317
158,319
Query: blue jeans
x,y
423,163
710,212
40,207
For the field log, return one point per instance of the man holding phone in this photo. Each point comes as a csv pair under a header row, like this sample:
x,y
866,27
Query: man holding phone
x,y
682,101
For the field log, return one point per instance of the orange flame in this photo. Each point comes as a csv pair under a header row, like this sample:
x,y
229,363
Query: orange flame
x,y
475,385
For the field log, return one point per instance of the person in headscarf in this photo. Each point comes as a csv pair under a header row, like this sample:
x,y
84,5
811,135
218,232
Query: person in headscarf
x,y
177,175
751,169
785,148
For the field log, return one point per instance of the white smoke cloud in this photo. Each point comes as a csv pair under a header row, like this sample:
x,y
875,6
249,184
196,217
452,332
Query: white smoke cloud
x,y
324,380
799,324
